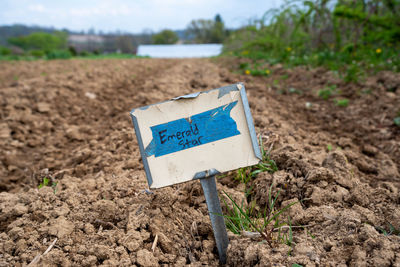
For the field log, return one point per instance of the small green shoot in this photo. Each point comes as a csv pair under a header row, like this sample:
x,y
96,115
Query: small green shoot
x,y
295,91
327,92
46,182
329,147
296,265
342,102
392,230
397,121
267,164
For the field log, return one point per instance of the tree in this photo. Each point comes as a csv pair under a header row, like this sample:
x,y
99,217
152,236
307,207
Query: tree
x,y
207,31
165,37
124,43
40,40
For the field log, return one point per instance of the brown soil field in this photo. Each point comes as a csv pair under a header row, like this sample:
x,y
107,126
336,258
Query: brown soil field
x,y
69,121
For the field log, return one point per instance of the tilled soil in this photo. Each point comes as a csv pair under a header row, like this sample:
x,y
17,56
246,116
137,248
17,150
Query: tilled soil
x,y
69,121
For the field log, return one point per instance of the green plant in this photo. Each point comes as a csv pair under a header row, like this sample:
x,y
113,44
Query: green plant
x,y
350,38
46,182
392,230
327,92
295,91
353,73
240,218
342,102
329,147
165,37
37,53
4,51
397,121
267,164
59,54
41,40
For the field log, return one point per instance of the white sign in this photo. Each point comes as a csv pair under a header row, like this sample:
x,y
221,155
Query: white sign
x,y
195,136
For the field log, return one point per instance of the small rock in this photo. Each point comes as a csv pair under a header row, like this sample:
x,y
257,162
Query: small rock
x,y
43,107
130,164
369,150
4,131
74,133
90,95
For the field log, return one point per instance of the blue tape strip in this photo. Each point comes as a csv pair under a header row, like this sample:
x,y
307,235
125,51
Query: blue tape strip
x,y
185,133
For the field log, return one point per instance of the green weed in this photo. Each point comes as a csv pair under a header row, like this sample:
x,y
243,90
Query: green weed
x,y
329,147
267,164
391,231
295,91
342,102
397,121
46,182
327,92
240,219
357,37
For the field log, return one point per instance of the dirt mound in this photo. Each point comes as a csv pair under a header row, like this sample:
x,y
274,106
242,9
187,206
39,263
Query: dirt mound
x,y
69,121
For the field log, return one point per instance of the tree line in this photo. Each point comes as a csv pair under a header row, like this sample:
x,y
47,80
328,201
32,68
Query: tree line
x,y
47,42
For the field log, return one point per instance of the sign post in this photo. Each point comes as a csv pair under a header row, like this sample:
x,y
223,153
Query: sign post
x,y
217,221
198,136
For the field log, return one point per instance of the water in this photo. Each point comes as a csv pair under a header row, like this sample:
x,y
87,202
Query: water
x,y
180,50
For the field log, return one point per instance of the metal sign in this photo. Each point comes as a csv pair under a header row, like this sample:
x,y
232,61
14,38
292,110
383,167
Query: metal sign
x,y
193,136
197,136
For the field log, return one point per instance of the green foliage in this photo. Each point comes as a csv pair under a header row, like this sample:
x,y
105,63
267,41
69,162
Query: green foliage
x,y
46,182
350,37
397,121
40,40
4,51
37,53
59,54
353,73
342,102
240,218
207,31
267,164
391,231
327,92
165,37
329,147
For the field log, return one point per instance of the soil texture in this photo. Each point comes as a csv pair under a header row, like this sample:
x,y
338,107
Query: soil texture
x,y
68,121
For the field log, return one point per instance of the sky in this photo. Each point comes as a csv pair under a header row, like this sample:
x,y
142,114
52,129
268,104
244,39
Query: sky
x,y
132,16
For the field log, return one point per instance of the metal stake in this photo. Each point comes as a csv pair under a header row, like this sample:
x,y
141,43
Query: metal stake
x,y
215,212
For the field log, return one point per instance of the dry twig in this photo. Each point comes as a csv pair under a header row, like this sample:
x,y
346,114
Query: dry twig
x,y
38,257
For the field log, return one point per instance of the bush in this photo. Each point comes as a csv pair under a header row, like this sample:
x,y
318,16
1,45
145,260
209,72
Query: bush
x,y
37,53
4,51
84,54
350,37
59,54
40,40
165,37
